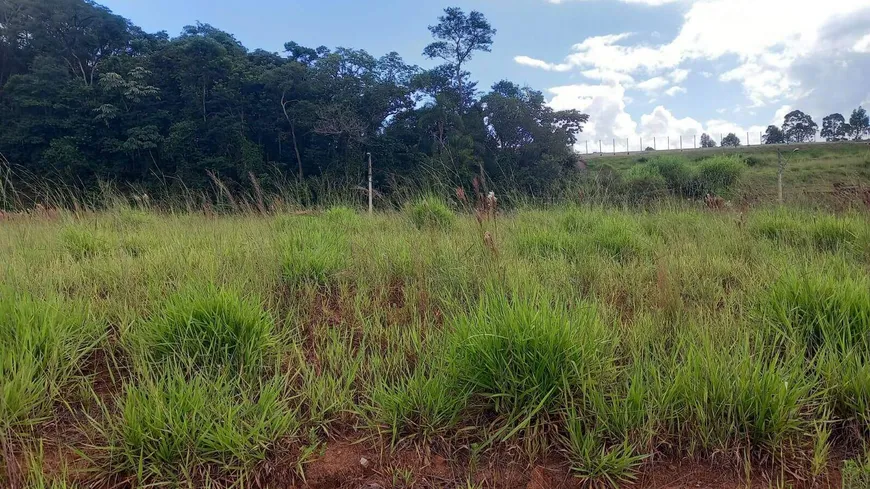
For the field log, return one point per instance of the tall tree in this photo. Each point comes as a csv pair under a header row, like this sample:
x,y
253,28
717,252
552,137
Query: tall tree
x,y
834,128
859,123
458,37
707,141
798,127
773,135
730,141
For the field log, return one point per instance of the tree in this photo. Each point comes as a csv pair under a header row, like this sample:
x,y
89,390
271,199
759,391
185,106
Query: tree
x,y
707,141
773,135
798,127
730,141
859,123
834,128
458,37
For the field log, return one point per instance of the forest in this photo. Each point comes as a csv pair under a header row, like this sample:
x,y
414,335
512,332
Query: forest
x,y
88,97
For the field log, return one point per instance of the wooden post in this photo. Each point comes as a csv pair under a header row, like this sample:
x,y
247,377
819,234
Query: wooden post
x,y
371,204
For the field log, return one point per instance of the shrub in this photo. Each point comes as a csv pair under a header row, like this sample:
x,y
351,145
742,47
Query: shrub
x,y
643,183
168,426
207,328
676,173
856,473
718,175
430,213
42,345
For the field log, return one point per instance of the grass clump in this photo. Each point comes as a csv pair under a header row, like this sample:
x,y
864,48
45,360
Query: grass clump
x,y
208,328
815,310
176,428
83,243
718,175
594,463
312,254
522,358
42,346
430,213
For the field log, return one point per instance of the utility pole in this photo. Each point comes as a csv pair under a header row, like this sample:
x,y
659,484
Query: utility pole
x,y
371,206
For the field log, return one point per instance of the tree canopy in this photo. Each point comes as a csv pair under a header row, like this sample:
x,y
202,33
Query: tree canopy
x,y
707,141
798,127
834,128
730,141
86,96
859,124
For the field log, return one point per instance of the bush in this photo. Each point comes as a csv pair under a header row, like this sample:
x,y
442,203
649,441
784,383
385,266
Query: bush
x,y
210,329
643,183
718,175
341,215
676,173
430,213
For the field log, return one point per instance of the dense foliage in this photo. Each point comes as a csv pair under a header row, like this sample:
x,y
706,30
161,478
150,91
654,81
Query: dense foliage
x,y
86,96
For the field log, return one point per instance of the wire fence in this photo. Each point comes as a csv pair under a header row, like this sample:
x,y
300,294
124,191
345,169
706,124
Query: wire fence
x,y
614,146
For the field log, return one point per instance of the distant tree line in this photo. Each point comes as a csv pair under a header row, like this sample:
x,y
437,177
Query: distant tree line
x,y
799,127
86,96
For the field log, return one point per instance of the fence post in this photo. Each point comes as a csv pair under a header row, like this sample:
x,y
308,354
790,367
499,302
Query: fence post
x,y
587,146
681,142
614,146
654,144
694,143
627,150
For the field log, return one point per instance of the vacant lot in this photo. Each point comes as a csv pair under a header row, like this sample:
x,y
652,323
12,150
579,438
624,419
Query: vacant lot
x,y
429,349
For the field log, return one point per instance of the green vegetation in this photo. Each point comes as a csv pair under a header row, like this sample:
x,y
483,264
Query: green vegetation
x,y
228,346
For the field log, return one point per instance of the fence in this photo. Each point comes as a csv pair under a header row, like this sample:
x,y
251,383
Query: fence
x,y
613,146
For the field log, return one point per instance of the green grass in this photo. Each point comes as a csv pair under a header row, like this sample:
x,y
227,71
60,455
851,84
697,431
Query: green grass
x,y
187,349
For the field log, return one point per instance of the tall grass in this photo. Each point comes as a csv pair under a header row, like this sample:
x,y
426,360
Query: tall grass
x,y
594,339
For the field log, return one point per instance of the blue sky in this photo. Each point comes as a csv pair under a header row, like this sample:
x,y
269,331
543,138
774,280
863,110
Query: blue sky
x,y
640,68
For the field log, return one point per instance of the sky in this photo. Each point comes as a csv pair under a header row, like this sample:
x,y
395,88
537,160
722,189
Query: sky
x,y
643,70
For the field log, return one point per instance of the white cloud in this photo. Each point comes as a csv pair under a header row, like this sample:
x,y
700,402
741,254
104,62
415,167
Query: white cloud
x,y
537,63
768,54
653,3
610,124
862,45
609,76
653,84
679,75
674,91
